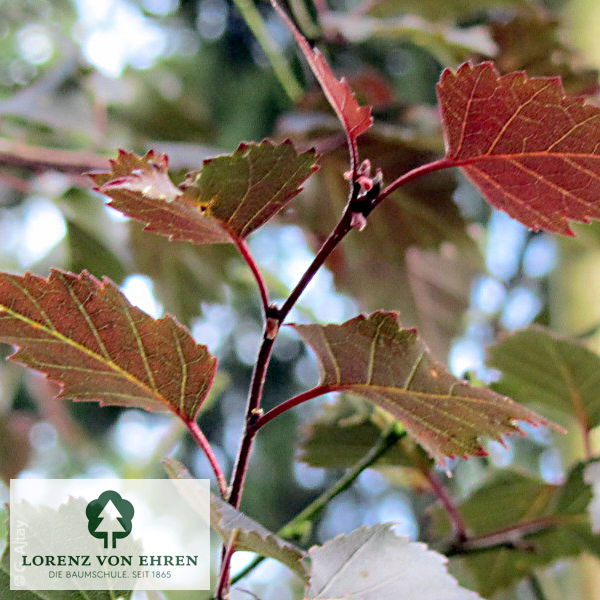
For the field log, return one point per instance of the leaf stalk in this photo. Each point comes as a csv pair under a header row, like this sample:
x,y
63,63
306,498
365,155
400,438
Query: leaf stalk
x,y
291,403
242,246
205,446
458,524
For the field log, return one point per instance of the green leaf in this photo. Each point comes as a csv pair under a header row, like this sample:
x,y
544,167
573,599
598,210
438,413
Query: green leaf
x,y
249,535
591,476
93,241
553,519
231,196
348,429
344,433
546,370
6,592
84,334
184,276
86,251
373,357
232,525
373,563
433,10
515,497
496,570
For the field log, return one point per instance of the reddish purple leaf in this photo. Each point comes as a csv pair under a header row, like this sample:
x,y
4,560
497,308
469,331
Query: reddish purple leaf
x,y
355,119
231,196
375,358
532,151
84,334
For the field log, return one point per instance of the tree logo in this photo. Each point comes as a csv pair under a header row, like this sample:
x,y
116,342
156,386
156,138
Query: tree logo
x,y
110,517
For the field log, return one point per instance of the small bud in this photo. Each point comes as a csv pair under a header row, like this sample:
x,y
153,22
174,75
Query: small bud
x,y
378,178
366,183
365,168
363,175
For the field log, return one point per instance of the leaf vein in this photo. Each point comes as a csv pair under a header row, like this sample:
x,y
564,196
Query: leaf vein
x,y
87,318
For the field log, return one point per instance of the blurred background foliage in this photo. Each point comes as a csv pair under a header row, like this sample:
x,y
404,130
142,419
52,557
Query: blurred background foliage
x,y
188,77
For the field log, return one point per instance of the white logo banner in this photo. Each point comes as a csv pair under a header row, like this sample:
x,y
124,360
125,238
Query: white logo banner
x,y
109,534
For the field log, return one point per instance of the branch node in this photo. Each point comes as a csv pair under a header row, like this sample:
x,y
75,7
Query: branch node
x,y
273,312
362,206
272,327
358,221
254,416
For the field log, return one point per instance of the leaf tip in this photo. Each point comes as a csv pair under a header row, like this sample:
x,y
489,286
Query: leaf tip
x,y
558,428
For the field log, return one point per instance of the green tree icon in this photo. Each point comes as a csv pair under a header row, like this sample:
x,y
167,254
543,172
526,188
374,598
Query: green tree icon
x,y
101,517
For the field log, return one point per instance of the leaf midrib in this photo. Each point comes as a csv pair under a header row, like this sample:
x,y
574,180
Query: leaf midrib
x,y
572,390
347,562
394,389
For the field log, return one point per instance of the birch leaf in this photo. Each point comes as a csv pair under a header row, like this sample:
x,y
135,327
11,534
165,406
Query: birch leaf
x,y
532,151
48,517
373,357
373,563
354,118
541,523
84,334
543,369
230,197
